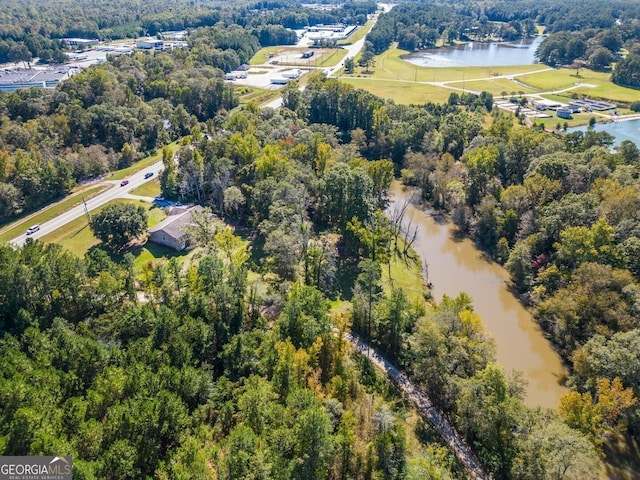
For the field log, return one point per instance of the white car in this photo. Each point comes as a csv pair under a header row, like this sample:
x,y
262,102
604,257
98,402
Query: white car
x,y
33,229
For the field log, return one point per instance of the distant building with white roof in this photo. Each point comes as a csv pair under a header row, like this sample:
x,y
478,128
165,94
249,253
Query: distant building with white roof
x,y
149,43
81,42
12,80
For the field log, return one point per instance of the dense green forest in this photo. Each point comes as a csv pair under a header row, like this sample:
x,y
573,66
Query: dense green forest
x,y
215,376
232,362
33,28
598,49
232,379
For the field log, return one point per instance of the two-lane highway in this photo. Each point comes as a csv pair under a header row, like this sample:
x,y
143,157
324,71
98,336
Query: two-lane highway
x,y
113,193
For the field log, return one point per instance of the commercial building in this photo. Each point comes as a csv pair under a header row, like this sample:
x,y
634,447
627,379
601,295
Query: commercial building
x,y
149,44
81,42
12,80
319,33
292,74
180,35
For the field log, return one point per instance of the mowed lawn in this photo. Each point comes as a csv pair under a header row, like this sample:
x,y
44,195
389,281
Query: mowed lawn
x,y
149,189
401,92
262,55
360,33
77,237
498,87
248,94
600,85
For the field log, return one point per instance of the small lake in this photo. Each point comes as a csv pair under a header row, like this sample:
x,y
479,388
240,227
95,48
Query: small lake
x,y
622,130
478,54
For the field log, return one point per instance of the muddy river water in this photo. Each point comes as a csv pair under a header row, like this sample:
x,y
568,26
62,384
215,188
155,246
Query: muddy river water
x,y
456,265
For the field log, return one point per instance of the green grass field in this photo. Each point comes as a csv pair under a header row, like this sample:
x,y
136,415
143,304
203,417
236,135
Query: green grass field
x,y
401,92
392,77
497,86
290,55
150,252
333,58
390,65
558,79
262,55
257,95
406,277
576,121
18,227
600,85
149,189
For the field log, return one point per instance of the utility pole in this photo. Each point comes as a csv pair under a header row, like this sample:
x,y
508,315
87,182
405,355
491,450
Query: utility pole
x,y
86,210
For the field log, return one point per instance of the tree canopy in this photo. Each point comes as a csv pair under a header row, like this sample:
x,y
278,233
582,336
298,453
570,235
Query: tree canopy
x,y
118,224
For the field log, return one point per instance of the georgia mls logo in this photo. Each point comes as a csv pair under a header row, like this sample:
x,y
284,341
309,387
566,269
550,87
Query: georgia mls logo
x,y
35,468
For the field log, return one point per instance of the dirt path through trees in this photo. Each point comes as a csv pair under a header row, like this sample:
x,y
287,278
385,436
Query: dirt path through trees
x,y
435,417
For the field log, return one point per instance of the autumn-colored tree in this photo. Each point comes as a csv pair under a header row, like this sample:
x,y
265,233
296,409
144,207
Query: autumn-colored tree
x,y
602,416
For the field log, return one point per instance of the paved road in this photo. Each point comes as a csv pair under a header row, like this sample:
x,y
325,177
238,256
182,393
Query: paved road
x,y
434,416
352,51
116,191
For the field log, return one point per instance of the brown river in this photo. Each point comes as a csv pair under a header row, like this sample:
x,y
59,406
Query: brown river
x,y
456,265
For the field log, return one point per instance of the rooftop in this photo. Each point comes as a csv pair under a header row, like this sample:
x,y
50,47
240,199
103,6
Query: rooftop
x,y
174,224
18,78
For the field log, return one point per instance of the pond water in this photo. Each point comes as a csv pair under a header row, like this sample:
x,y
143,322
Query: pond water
x,y
622,130
455,266
478,54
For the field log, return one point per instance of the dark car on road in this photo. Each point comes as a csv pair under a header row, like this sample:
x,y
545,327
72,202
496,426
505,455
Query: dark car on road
x,y
124,182
148,175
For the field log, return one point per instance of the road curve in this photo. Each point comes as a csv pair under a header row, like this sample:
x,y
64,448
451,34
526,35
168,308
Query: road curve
x,y
113,193
433,415
352,51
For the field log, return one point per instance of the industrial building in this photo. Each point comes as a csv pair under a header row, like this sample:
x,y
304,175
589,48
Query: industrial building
x,y
80,42
149,44
180,35
318,33
12,80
